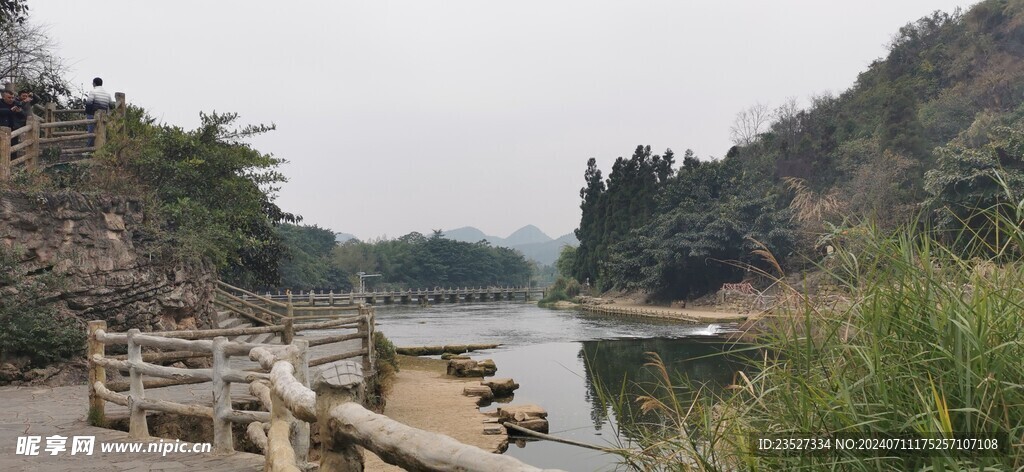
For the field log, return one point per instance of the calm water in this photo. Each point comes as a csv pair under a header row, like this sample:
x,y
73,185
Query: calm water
x,y
555,355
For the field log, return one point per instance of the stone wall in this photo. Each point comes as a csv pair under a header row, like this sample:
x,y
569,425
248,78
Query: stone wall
x,y
111,269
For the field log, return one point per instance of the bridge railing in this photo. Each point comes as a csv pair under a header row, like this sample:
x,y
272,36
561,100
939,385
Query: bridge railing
x,y
179,345
24,146
266,311
334,403
330,298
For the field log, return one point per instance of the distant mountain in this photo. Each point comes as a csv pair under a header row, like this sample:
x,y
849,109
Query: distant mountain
x,y
529,240
528,234
569,239
545,253
468,234
340,238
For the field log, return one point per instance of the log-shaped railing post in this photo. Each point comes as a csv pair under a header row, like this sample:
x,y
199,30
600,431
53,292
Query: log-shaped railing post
x,y
5,154
33,135
119,105
223,440
366,331
100,129
291,307
137,426
279,454
336,453
288,334
97,373
49,116
300,430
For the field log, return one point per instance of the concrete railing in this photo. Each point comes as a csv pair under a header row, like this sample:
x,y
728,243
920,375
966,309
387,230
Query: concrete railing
x,y
334,403
341,299
179,345
221,375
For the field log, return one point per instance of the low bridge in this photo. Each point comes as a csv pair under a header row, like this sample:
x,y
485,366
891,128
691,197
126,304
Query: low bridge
x,y
418,296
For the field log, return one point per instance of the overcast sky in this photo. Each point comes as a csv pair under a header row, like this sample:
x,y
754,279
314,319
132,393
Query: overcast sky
x,y
399,116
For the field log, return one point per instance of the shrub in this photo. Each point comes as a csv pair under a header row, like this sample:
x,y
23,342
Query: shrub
x,y
562,289
378,386
30,323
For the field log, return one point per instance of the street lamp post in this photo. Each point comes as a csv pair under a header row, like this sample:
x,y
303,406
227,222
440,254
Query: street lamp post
x,y
362,284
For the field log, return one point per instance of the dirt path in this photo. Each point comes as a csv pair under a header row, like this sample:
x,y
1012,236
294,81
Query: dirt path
x,y
424,397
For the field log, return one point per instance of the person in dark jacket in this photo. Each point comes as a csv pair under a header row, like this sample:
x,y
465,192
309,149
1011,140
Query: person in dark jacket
x,y
21,119
12,114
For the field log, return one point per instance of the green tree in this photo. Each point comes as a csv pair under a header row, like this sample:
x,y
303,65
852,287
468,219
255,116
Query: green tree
x,y
307,264
971,178
212,191
612,208
566,261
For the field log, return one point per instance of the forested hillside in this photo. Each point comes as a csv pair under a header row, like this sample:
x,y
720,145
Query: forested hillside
x,y
936,125
315,262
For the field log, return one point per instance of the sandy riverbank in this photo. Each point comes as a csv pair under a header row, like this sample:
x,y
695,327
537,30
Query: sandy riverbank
x,y
425,397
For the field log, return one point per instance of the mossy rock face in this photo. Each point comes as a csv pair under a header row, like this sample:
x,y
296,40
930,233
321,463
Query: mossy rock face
x,y
449,356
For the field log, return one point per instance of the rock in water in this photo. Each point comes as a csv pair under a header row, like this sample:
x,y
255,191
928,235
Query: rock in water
x,y
481,391
518,412
531,417
501,387
471,368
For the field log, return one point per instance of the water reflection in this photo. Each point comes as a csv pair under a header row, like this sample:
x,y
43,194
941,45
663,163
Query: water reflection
x,y
614,367
560,357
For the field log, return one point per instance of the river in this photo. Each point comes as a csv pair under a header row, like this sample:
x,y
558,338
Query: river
x,y
555,356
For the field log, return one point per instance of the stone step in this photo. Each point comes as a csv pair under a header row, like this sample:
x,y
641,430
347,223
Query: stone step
x,y
235,323
265,338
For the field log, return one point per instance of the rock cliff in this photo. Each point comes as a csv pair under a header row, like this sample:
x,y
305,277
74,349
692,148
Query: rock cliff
x,y
111,267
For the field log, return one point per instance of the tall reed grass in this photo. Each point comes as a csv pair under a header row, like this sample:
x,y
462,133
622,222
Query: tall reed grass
x,y
929,339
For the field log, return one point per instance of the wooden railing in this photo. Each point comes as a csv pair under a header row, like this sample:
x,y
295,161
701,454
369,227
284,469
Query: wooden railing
x,y
180,345
40,132
334,403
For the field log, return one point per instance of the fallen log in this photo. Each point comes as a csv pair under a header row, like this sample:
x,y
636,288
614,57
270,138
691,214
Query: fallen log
x,y
438,350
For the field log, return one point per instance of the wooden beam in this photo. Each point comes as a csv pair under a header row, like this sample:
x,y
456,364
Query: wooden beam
x,y
334,339
260,297
213,333
143,368
61,124
338,357
59,139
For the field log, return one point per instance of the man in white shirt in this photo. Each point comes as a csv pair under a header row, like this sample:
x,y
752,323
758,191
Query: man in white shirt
x,y
98,100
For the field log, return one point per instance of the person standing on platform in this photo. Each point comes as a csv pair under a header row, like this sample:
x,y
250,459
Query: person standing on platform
x,y
98,100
